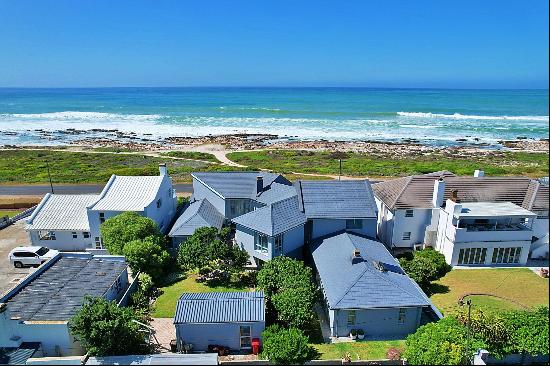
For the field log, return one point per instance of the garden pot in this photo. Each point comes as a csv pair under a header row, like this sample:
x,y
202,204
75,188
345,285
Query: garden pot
x,y
360,336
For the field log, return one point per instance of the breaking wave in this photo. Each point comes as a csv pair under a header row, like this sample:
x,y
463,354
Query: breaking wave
x,y
466,116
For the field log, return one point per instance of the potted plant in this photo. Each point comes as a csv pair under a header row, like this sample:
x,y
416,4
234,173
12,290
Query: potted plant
x,y
360,333
346,358
353,334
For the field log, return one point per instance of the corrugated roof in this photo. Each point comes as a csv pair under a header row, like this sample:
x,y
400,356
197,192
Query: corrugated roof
x,y
275,218
59,291
361,285
19,355
128,193
500,209
336,199
220,307
62,212
238,184
160,359
198,214
417,191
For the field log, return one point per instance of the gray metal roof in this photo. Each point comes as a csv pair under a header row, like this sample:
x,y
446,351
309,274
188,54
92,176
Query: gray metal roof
x,y
276,192
362,285
492,209
220,307
336,199
19,355
157,359
62,212
275,218
128,193
58,292
238,184
417,191
198,214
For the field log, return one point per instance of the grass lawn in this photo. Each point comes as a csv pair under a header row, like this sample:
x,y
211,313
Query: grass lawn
x,y
517,284
195,155
9,213
367,350
165,305
29,166
324,162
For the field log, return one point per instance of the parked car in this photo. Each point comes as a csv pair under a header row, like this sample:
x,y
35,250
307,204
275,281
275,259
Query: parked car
x,y
30,256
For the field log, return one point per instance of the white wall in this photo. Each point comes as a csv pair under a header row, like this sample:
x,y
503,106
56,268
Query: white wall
x,y
416,225
64,240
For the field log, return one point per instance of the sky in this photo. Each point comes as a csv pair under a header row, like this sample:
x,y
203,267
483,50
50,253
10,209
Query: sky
x,y
409,44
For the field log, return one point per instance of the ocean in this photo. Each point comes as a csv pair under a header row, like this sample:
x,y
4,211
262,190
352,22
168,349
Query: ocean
x,y
430,116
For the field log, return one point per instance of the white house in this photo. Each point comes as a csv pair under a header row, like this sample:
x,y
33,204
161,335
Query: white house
x,y
484,233
39,308
60,221
150,196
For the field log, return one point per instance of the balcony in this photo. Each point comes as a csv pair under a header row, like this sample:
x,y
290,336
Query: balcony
x,y
490,232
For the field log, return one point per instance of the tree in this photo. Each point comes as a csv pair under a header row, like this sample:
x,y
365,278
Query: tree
x,y
529,331
147,255
124,228
289,290
104,329
425,266
441,343
286,346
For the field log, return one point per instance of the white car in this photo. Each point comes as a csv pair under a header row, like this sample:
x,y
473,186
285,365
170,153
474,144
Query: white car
x,y
30,256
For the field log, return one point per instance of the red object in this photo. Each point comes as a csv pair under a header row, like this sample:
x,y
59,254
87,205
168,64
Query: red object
x,y
255,345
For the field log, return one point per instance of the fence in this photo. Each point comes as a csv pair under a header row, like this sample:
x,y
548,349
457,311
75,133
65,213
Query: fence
x,y
4,223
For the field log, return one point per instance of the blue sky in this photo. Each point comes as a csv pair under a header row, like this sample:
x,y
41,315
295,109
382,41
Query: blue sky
x,y
447,44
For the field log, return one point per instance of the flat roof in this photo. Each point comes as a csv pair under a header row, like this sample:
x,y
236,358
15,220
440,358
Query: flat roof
x,y
492,209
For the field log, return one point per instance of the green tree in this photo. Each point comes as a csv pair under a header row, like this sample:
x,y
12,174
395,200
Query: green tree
x,y
425,266
148,255
529,331
104,329
441,343
283,346
124,228
294,307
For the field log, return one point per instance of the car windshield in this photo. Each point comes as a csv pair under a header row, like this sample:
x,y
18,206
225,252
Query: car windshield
x,y
42,251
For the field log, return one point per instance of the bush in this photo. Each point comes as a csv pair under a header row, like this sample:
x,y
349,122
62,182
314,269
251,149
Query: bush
x,y
425,266
490,327
141,299
245,278
104,329
393,354
529,331
147,255
294,307
286,346
124,228
215,273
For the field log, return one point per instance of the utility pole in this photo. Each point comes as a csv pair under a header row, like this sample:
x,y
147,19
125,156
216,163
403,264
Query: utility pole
x,y
340,169
469,304
49,175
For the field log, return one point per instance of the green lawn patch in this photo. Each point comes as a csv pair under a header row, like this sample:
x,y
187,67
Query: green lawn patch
x,y
165,304
193,155
362,164
10,213
360,350
519,285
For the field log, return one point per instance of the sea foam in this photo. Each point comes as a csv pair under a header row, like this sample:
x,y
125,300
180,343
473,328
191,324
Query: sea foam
x,y
466,116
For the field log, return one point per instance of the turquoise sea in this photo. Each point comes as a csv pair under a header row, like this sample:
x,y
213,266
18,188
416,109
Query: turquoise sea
x,y
431,116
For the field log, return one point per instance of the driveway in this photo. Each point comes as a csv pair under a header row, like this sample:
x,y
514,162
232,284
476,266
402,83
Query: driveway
x,y
11,237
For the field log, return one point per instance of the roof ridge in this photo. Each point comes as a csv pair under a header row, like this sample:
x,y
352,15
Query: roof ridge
x,y
409,180
535,192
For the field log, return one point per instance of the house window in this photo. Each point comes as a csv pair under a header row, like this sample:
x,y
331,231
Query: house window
x,y
74,235
118,285
260,243
409,213
506,255
245,336
98,243
102,217
351,317
159,203
354,224
407,235
402,316
86,235
278,244
46,235
472,255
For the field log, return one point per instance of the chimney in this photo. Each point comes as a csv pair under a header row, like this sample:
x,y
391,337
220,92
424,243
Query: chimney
x,y
356,257
162,169
454,195
479,173
259,185
438,193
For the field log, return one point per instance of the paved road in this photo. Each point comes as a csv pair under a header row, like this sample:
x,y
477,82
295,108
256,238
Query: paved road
x,y
38,190
11,237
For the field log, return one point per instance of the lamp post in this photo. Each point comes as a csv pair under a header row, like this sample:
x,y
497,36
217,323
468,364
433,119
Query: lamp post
x,y
468,303
49,175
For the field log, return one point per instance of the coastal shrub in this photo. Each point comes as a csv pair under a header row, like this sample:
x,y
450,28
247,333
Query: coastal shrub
x,y
148,255
124,228
282,346
529,331
216,272
105,329
425,266
289,290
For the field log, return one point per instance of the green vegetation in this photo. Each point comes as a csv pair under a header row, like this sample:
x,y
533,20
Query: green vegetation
x,y
29,166
165,305
509,283
104,329
361,350
425,266
192,155
10,213
147,255
282,346
121,229
361,164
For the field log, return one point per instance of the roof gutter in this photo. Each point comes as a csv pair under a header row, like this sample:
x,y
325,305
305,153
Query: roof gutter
x,y
38,208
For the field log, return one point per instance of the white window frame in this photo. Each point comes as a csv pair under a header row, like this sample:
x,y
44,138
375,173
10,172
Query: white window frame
x,y
354,224
278,244
243,337
506,255
401,316
101,217
46,235
98,242
86,234
258,243
74,234
352,317
472,256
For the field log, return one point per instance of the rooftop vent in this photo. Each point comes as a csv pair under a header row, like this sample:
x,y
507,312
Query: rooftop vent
x,y
356,258
379,266
479,173
162,169
454,195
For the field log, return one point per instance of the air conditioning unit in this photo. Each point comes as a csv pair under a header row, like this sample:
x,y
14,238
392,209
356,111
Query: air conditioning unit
x,y
418,247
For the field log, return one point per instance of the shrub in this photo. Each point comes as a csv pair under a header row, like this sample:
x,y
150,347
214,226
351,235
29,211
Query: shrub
x,y
215,273
147,255
529,331
425,266
294,307
104,329
393,354
124,228
490,327
205,245
286,346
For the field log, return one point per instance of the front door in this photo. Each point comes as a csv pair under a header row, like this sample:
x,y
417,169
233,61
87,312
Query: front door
x,y
245,337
